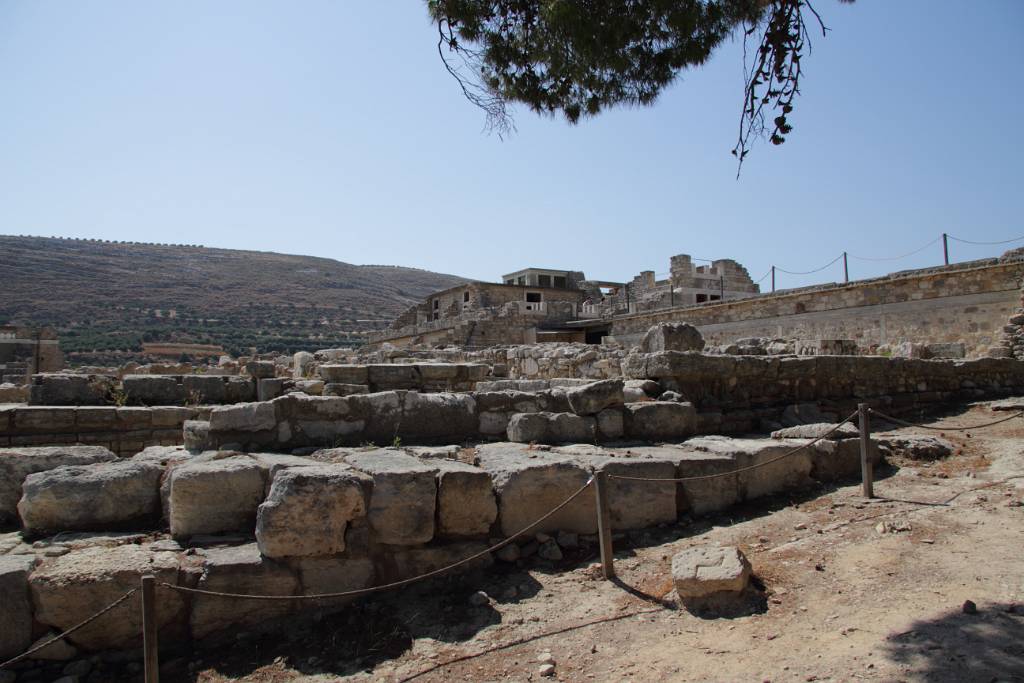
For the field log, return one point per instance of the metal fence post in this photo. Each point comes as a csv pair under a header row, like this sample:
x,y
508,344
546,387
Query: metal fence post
x,y
151,661
604,523
866,468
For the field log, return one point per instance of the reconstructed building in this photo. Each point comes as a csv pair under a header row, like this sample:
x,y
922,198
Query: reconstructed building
x,y
25,351
539,304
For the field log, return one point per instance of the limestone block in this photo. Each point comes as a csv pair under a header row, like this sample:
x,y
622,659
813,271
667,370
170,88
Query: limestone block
x,y
551,428
153,390
817,430
215,496
838,460
404,496
530,483
704,570
704,496
16,624
169,416
18,463
339,389
772,474
239,390
301,363
590,399
660,420
384,377
918,447
610,424
66,389
134,418
99,496
335,373
196,435
313,387
309,509
44,419
269,388
240,569
494,423
68,589
465,500
637,504
437,372
261,369
672,337
204,388
432,417
244,417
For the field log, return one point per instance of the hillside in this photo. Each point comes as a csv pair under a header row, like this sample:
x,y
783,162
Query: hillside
x,y
106,298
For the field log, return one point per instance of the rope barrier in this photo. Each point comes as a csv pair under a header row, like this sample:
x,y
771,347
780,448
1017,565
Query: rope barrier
x,y
1015,239
895,258
889,418
742,469
394,584
71,630
809,272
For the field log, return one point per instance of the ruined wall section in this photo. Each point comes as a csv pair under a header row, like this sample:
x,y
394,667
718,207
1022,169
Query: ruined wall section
x,y
957,304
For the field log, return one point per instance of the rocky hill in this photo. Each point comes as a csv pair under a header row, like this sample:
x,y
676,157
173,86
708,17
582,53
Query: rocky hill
x,y
107,299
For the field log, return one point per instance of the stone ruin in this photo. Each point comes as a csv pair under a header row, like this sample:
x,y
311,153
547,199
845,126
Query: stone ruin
x,y
349,474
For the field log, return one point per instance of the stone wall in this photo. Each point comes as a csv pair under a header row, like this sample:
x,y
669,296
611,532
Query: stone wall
x,y
338,520
729,394
969,303
125,431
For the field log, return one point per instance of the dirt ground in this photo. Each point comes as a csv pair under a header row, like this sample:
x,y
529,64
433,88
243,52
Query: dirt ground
x,y
848,597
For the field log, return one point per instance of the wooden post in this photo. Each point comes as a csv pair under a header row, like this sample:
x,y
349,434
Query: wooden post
x,y
604,523
846,269
945,247
866,468
773,278
151,663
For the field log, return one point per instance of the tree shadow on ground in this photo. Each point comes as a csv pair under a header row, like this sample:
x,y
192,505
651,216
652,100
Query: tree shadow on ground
x,y
955,647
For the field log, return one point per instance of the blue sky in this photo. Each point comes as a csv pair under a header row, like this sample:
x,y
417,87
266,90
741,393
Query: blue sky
x,y
331,129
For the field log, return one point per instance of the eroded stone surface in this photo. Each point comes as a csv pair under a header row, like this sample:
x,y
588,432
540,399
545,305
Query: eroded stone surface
x,y
18,463
215,496
309,509
16,622
465,500
78,497
68,589
705,570
404,494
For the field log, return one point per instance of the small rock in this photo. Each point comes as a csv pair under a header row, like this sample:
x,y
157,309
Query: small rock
x,y
546,670
800,527
568,540
546,658
509,553
479,599
542,538
549,550
969,607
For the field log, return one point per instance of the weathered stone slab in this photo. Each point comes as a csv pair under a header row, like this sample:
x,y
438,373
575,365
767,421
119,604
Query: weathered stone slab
x,y
204,388
309,509
16,621
672,337
319,575
636,504
153,390
774,473
68,589
404,496
591,399
338,373
610,424
438,417
838,460
408,562
18,463
215,496
240,569
818,430
705,570
660,420
551,428
81,497
465,500
244,417
530,483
